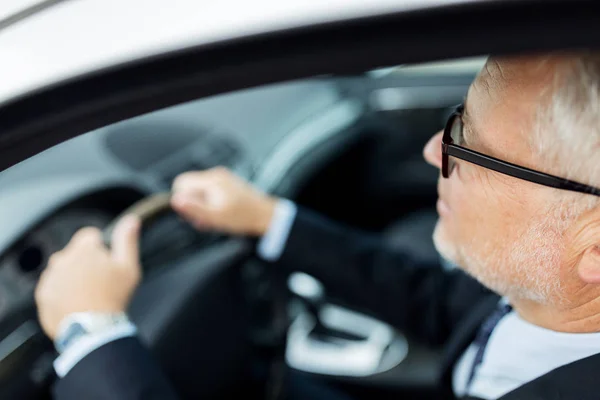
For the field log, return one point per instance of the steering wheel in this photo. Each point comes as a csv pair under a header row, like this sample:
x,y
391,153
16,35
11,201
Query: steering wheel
x,y
148,209
194,314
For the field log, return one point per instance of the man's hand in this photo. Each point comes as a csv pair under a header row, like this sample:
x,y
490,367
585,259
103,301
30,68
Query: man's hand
x,y
218,199
86,276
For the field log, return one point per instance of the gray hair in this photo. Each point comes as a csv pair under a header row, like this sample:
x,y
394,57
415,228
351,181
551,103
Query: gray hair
x,y
567,133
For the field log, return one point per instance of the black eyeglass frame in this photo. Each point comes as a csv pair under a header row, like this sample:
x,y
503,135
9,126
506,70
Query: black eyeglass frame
x,y
450,149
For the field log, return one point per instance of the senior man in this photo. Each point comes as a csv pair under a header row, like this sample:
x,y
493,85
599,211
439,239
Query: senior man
x,y
516,213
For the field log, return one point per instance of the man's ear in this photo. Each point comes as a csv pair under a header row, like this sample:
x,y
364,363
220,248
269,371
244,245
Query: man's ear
x,y
589,265
585,246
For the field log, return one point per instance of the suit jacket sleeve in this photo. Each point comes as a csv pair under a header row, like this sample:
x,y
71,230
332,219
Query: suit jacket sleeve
x,y
119,370
359,269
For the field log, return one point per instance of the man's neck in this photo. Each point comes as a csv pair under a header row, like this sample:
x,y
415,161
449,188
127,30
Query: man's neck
x,y
574,318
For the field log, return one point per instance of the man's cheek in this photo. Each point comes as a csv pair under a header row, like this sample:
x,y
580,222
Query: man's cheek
x,y
469,218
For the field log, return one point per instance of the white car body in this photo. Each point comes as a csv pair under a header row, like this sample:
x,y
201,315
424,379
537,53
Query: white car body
x,y
70,38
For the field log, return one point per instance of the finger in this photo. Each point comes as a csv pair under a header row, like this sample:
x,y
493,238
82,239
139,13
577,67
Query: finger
x,y
191,181
199,180
220,172
210,195
40,287
87,236
54,258
125,241
189,207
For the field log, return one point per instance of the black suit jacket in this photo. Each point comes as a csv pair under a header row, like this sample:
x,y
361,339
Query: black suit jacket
x,y
440,307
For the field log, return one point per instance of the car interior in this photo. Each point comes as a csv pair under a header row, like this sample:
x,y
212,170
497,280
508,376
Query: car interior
x,y
219,319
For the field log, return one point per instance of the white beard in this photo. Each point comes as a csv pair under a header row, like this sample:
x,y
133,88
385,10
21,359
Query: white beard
x,y
528,268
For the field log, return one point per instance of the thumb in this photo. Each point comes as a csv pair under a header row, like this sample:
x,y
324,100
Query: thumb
x,y
125,241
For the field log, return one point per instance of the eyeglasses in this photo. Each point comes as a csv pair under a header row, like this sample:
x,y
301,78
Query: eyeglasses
x,y
453,134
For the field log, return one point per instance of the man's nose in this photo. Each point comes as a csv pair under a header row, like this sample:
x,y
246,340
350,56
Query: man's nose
x,y
433,150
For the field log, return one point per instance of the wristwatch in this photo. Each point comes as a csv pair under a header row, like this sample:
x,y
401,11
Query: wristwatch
x,y
79,325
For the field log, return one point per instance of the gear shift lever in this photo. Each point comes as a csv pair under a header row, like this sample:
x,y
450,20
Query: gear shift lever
x,y
307,288
329,339
311,292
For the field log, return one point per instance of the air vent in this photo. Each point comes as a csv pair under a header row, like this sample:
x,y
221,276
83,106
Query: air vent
x,y
141,143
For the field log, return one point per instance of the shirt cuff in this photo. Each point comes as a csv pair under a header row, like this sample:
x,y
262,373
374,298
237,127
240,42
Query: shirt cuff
x,y
272,244
84,346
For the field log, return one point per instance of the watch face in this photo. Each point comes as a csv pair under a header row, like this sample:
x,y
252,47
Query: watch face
x,y
73,331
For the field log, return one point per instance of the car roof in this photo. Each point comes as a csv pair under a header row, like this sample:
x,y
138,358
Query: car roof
x,y
44,42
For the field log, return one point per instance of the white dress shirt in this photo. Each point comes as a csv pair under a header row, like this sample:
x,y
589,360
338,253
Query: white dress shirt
x,y
84,346
271,245
519,352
